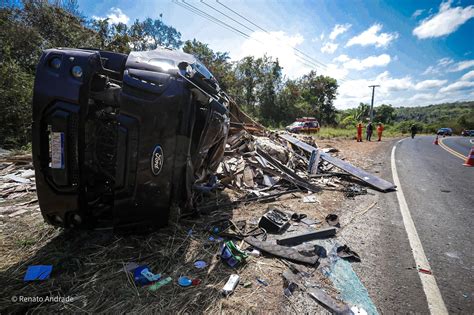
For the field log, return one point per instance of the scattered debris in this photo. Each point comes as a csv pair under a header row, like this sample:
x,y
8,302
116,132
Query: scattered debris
x,y
353,190
230,285
281,251
301,238
346,253
200,264
232,255
159,284
185,281
262,281
310,199
370,179
17,179
38,272
332,219
274,221
130,267
144,276
425,271
295,281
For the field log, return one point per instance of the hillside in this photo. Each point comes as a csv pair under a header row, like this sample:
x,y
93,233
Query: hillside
x,y
436,113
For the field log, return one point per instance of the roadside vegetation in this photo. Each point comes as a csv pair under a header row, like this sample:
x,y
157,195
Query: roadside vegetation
x,y
256,84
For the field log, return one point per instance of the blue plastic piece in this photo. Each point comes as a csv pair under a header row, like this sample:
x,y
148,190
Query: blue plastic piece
x,y
39,272
200,264
184,281
139,277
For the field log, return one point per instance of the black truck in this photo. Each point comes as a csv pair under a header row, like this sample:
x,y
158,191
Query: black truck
x,y
120,140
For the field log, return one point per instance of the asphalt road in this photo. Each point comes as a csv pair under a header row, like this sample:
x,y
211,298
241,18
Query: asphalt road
x,y
440,195
461,145
439,192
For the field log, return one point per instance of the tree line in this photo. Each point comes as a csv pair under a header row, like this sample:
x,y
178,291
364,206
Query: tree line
x,y
428,119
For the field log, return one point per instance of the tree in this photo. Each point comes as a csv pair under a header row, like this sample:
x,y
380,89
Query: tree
x,y
247,75
320,92
384,114
24,32
159,34
150,34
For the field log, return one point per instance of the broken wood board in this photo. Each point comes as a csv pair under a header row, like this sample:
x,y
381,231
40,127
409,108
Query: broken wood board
x,y
290,175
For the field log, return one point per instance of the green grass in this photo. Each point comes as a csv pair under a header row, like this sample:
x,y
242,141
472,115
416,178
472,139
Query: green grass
x,y
342,133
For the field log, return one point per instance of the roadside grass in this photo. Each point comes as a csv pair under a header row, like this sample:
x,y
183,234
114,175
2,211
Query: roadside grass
x,y
343,133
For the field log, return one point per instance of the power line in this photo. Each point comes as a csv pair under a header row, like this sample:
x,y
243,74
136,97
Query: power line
x,y
221,23
266,31
312,61
203,14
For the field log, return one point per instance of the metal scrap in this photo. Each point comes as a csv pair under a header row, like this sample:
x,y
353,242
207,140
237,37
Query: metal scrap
x,y
281,251
309,236
368,178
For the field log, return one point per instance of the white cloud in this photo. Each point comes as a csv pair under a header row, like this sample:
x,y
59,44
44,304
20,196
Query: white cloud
x,y
448,64
430,70
462,65
445,61
338,30
417,13
456,86
371,36
423,97
115,16
321,37
361,64
329,48
277,45
335,71
352,92
445,22
430,84
342,58
468,76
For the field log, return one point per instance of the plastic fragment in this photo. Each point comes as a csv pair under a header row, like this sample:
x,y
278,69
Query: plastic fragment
x,y
159,284
184,281
38,272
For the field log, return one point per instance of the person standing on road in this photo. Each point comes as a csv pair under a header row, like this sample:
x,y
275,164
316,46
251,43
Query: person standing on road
x,y
369,130
413,130
379,131
359,132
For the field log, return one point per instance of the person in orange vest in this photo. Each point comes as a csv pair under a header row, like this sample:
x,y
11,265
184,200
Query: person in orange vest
x,y
359,132
379,130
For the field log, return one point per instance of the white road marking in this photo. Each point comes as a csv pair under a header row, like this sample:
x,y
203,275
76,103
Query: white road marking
x,y
433,295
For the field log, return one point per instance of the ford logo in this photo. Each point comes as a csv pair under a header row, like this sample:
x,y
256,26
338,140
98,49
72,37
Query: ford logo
x,y
157,160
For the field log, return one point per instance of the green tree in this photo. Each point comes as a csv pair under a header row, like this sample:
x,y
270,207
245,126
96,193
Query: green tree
x,y
320,92
384,114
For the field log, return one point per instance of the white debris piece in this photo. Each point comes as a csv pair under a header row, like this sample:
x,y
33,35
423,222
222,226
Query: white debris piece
x,y
17,179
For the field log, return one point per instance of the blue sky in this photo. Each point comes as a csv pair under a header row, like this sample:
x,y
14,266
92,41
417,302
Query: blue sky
x,y
420,52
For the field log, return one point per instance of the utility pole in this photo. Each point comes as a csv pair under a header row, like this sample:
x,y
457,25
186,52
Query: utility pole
x,y
372,104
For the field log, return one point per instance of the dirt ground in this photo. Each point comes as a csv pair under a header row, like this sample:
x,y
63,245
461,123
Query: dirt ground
x,y
88,265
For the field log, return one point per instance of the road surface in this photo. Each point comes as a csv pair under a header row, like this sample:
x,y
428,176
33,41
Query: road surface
x,y
439,193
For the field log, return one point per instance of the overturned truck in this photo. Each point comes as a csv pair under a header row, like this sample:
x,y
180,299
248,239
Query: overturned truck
x,y
119,140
